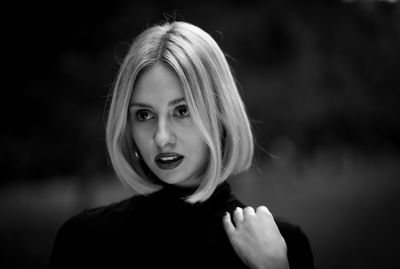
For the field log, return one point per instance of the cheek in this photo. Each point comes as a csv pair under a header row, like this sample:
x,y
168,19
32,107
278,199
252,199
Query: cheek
x,y
202,155
204,151
198,145
141,138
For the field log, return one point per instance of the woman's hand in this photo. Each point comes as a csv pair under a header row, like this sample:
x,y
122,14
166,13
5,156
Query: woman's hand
x,y
256,238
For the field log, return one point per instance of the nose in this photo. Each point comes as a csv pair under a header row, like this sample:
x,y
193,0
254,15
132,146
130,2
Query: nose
x,y
164,136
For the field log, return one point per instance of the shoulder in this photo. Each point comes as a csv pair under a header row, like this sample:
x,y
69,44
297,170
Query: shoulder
x,y
84,221
122,207
78,223
288,228
107,216
298,246
74,239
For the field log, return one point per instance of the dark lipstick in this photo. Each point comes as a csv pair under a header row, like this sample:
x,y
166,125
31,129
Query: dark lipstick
x,y
168,160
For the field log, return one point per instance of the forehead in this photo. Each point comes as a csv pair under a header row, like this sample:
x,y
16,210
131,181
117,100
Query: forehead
x,y
157,83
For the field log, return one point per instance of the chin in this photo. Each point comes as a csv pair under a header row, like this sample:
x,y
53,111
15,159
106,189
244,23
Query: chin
x,y
170,180
177,181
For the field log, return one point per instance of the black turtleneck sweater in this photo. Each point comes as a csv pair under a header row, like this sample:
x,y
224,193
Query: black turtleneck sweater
x,y
162,231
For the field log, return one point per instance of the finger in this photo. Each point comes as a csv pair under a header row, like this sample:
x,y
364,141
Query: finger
x,y
263,210
238,216
248,212
228,225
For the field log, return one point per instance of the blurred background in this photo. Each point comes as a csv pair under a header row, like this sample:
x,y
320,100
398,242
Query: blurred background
x,y
321,81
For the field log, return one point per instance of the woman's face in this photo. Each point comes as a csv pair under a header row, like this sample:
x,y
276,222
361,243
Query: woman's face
x,y
163,129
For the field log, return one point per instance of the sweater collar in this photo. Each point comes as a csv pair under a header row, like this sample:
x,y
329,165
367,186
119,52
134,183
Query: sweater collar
x,y
177,195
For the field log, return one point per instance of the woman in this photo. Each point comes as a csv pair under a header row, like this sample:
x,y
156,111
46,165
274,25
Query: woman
x,y
177,129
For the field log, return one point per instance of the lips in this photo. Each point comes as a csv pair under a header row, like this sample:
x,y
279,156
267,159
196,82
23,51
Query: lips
x,y
168,160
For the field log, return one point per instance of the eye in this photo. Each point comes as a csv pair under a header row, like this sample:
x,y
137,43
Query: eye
x,y
143,115
181,111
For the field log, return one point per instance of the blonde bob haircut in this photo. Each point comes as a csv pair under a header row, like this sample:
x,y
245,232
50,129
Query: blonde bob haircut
x,y
215,106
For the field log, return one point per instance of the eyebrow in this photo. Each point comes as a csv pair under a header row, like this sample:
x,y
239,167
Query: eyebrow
x,y
170,103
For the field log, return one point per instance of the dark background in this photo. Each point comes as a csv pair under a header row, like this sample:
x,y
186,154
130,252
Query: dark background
x,y
321,81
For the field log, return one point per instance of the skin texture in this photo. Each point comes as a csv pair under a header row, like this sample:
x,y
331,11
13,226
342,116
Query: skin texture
x,y
256,238
159,126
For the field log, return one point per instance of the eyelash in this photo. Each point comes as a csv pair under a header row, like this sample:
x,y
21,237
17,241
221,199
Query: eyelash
x,y
139,112
151,116
182,116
